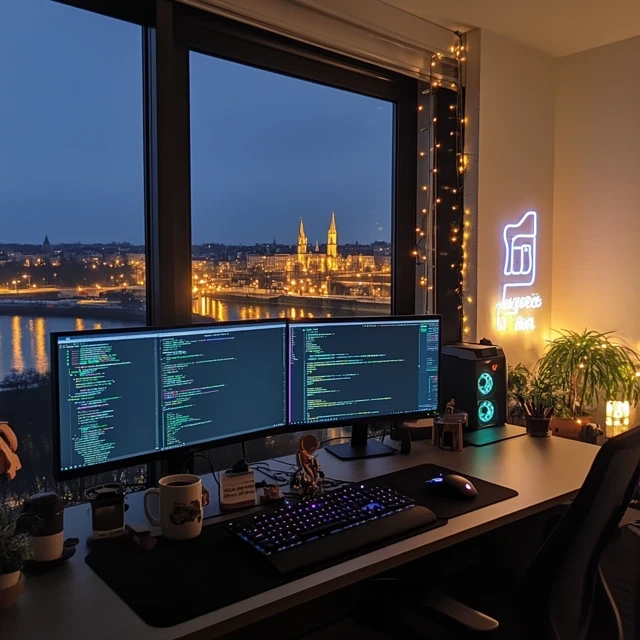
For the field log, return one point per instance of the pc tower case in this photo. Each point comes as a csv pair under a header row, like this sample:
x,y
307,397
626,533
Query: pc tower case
x,y
475,376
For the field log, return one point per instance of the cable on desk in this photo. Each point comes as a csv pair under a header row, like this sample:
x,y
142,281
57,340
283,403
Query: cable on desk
x,y
290,464
281,477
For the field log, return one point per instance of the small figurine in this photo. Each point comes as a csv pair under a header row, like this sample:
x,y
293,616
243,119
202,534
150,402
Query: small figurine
x,y
309,477
450,406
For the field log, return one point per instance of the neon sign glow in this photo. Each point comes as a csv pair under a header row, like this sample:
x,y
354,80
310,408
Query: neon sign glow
x,y
513,312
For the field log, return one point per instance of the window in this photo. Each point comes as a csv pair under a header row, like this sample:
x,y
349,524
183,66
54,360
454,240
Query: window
x,y
296,195
72,253
291,196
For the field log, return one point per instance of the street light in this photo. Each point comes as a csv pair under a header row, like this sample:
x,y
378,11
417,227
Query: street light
x,y
15,283
29,277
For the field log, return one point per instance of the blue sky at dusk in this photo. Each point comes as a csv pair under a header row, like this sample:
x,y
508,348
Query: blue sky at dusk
x,y
266,149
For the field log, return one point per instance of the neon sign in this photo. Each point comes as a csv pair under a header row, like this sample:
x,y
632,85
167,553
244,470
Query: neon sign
x,y
514,312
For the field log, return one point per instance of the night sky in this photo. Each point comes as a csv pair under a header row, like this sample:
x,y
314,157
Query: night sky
x,y
266,149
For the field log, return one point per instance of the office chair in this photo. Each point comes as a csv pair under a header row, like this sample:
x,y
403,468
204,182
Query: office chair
x,y
562,595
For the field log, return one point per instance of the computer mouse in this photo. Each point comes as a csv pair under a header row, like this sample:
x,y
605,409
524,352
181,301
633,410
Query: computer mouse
x,y
451,485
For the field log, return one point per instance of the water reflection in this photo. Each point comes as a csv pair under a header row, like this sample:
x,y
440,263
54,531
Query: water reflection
x,y
39,349
253,313
24,341
17,358
212,308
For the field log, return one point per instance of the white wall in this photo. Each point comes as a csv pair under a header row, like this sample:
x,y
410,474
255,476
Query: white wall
x,y
514,163
596,229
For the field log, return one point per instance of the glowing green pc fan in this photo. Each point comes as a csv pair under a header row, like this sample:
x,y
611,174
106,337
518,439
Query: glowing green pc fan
x,y
485,383
486,411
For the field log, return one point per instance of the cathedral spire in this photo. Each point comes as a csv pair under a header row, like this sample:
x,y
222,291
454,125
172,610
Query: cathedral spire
x,y
332,244
302,243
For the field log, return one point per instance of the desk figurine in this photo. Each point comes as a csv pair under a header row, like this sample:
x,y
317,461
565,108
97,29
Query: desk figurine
x,y
308,479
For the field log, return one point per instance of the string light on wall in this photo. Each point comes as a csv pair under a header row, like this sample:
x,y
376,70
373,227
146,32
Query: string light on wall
x,y
466,236
441,167
443,222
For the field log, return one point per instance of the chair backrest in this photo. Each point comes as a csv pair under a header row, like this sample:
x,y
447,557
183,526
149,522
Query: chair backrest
x,y
557,594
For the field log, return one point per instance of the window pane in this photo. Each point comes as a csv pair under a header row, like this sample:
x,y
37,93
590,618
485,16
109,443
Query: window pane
x,y
72,252
291,196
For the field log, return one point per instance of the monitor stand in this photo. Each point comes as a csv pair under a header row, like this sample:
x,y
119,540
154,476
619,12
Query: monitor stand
x,y
360,447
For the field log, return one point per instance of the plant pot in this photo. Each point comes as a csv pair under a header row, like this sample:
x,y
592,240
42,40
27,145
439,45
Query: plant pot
x,y
8,580
569,427
538,427
10,595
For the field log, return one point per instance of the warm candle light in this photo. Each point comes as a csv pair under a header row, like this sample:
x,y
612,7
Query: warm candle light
x,y
617,417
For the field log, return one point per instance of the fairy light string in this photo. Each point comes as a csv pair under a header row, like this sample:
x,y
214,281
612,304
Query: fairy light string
x,y
440,198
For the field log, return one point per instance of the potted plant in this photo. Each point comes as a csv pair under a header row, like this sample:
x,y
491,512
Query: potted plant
x,y
15,549
533,397
587,367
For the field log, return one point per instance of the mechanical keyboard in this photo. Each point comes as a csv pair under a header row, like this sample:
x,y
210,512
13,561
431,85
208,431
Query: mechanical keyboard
x,y
303,534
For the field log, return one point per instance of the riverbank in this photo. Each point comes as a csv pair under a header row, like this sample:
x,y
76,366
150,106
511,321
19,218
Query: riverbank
x,y
91,312
322,303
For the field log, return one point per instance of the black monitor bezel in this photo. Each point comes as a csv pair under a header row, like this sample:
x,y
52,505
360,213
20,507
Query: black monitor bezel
x,y
122,463
415,415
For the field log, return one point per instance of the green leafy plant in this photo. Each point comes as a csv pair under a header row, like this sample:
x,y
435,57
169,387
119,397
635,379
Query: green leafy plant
x,y
531,393
15,548
590,366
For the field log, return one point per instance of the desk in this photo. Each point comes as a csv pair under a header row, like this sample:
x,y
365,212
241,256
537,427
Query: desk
x,y
72,603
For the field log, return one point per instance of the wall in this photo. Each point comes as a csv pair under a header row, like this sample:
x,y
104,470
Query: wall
x,y
596,261
513,123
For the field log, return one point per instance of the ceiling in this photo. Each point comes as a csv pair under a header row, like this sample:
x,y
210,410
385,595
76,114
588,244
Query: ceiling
x,y
557,27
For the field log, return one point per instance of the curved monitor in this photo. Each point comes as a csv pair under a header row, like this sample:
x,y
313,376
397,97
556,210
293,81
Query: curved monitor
x,y
363,369
128,396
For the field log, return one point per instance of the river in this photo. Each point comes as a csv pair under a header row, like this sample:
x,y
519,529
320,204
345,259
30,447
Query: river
x,y
24,340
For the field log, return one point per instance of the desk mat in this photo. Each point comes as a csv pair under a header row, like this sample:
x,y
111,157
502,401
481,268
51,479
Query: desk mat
x,y
410,482
491,435
180,580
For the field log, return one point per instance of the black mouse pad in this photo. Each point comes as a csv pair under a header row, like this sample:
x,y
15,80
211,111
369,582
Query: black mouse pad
x,y
410,482
180,580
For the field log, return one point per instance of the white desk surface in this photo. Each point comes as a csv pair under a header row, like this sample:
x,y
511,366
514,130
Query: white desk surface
x,y
72,602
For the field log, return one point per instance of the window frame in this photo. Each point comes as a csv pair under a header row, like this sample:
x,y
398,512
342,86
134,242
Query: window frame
x,y
209,34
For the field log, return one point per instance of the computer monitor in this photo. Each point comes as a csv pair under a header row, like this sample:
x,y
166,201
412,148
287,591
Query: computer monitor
x,y
358,371
124,397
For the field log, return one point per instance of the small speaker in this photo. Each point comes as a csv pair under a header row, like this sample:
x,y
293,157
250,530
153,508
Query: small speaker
x,y
475,377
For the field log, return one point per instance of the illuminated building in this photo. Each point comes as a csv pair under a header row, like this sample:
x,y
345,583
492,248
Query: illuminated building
x,y
332,244
302,245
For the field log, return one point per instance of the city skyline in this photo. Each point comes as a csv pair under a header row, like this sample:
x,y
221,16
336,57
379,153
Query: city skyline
x,y
71,163
290,242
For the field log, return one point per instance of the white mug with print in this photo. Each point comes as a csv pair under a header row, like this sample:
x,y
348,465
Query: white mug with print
x,y
182,499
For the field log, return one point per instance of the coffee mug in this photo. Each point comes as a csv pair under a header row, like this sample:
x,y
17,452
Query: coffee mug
x,y
182,500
